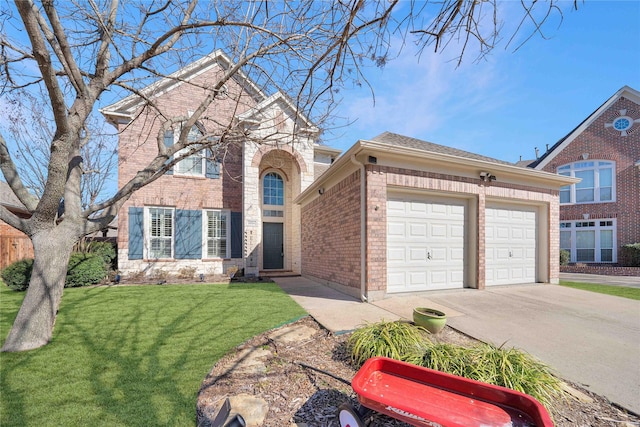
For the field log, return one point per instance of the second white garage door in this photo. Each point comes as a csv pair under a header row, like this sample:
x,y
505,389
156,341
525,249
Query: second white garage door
x,y
425,244
510,242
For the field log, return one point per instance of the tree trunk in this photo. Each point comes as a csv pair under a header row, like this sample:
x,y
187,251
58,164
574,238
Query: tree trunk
x,y
33,326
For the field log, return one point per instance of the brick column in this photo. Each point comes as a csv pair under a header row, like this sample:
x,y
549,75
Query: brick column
x,y
480,248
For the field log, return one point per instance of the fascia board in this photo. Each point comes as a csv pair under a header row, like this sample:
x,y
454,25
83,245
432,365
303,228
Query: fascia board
x,y
247,116
126,107
625,91
326,149
340,168
343,165
470,164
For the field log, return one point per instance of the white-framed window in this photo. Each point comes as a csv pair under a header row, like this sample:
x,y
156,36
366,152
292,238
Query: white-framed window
x,y
597,185
192,165
272,197
273,189
589,240
159,232
217,229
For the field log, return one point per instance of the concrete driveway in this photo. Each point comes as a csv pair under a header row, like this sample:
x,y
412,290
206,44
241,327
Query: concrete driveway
x,y
588,338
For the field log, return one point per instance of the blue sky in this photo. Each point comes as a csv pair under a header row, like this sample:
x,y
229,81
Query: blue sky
x,y
511,102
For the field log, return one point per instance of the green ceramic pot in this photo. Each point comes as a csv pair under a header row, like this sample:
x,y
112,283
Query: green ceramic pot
x,y
430,319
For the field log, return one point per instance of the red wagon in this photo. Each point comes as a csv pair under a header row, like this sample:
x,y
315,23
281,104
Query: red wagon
x,y
428,398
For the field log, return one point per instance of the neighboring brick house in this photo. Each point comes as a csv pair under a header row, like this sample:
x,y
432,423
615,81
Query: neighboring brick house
x,y
14,244
600,213
396,214
214,211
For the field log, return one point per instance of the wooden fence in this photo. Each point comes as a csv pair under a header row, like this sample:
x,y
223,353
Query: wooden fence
x,y
14,248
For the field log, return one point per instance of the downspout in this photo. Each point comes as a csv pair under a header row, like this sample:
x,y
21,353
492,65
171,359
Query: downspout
x,y
363,231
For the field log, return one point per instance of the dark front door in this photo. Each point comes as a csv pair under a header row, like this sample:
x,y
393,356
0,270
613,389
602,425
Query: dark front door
x,y
272,246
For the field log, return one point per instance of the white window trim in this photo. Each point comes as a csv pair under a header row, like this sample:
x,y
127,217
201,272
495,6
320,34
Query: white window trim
x,y
280,208
200,154
596,168
147,231
205,230
597,228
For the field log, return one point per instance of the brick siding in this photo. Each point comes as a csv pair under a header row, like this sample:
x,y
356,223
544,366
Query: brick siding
x,y
138,145
331,224
601,143
331,235
602,269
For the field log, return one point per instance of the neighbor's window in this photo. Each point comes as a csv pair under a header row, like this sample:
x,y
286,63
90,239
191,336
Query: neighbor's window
x,y
217,229
597,183
160,233
589,241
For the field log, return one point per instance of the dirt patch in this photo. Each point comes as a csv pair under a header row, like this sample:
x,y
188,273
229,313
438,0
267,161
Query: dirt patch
x,y
304,382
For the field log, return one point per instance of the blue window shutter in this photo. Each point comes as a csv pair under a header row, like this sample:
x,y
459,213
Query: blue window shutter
x,y
168,142
236,234
212,167
136,233
188,234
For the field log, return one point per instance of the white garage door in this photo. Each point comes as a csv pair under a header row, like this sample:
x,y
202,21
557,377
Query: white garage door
x,y
510,241
425,244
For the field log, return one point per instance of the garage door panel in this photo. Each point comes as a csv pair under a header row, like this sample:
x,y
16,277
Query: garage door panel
x,y
418,230
429,253
396,279
418,255
438,230
457,254
510,242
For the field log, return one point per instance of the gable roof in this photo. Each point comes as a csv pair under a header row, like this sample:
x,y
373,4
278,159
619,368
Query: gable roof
x,y
126,107
304,125
429,147
625,91
406,152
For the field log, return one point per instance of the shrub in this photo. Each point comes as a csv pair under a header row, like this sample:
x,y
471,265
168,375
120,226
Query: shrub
x,y
85,269
16,276
397,340
107,251
630,255
565,257
187,272
509,368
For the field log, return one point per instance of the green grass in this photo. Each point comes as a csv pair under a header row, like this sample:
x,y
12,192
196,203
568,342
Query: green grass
x,y
619,291
131,356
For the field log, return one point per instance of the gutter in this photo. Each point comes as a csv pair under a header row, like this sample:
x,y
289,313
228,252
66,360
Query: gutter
x,y
363,230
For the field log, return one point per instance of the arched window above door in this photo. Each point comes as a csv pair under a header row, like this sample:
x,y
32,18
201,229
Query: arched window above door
x,y
273,190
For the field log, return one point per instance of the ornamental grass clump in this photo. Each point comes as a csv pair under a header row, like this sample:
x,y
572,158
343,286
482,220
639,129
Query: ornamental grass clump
x,y
509,368
397,340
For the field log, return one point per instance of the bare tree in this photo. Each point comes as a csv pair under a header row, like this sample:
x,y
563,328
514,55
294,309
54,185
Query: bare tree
x,y
80,53
31,130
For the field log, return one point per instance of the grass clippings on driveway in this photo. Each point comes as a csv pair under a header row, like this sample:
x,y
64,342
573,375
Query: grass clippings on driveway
x,y
618,291
131,355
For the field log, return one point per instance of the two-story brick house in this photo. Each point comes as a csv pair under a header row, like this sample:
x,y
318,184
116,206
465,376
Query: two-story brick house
x,y
213,211
393,214
600,213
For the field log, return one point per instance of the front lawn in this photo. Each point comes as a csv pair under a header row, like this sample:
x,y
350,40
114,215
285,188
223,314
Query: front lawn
x,y
619,291
131,355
